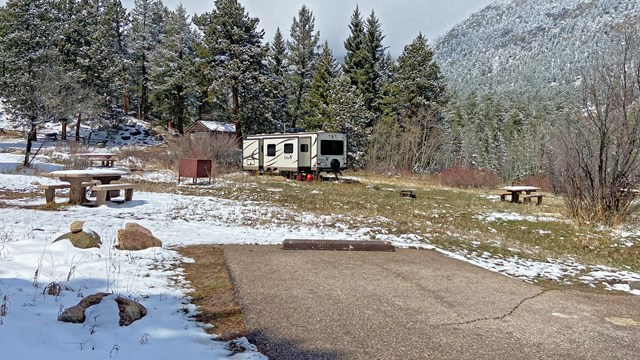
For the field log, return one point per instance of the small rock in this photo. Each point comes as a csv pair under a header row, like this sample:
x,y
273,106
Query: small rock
x,y
75,314
130,311
634,285
136,237
76,226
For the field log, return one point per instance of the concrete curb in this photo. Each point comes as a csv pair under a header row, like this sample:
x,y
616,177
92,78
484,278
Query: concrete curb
x,y
337,245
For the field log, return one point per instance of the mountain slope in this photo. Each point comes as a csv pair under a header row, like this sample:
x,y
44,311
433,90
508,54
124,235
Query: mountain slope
x,y
527,46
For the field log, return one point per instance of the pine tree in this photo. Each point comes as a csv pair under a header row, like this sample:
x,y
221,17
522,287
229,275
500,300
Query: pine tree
x,y
347,113
302,55
237,66
417,83
26,45
147,27
29,54
316,101
172,70
278,55
374,65
363,62
108,57
278,69
78,45
356,59
79,18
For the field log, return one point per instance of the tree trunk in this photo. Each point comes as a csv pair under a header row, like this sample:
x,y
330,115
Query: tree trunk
x,y
180,110
235,107
144,96
63,131
78,127
31,136
125,104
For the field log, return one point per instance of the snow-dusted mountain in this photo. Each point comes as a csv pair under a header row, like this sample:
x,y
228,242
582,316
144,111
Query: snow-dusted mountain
x,y
525,46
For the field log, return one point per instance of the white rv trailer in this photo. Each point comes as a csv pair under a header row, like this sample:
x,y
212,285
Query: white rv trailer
x,y
289,153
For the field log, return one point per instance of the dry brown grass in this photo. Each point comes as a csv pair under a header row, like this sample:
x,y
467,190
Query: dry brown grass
x,y
213,292
12,134
450,218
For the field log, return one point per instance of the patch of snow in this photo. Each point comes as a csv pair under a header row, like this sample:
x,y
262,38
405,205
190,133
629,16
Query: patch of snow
x,y
502,216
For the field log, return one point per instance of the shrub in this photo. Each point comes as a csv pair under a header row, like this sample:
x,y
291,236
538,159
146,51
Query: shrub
x,y
540,181
462,177
221,148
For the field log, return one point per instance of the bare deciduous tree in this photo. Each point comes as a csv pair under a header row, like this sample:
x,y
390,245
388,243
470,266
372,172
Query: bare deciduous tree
x,y
598,153
56,96
412,144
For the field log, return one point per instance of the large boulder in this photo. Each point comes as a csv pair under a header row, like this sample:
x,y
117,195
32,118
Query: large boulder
x,y
128,310
81,237
136,237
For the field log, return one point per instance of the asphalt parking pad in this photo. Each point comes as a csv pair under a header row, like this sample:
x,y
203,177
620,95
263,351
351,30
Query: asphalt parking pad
x,y
416,304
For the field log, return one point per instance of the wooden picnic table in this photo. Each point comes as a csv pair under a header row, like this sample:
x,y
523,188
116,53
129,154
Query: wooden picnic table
x,y
516,191
76,177
105,159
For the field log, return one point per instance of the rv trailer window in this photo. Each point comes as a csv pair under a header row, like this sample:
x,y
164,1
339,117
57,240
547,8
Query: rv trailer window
x,y
332,147
304,147
288,148
271,150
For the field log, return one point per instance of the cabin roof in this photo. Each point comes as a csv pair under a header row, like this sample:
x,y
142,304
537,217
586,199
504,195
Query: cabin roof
x,y
212,126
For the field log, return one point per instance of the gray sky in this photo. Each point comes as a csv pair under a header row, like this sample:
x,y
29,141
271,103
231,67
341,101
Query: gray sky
x,y
401,20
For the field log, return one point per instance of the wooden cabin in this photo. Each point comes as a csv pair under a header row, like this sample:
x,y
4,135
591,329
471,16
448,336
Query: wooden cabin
x,y
201,128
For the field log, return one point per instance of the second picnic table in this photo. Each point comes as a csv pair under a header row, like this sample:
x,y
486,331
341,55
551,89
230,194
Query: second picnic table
x,y
516,191
105,159
76,177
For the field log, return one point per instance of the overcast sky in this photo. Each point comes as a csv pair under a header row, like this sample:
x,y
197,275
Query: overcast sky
x,y
401,20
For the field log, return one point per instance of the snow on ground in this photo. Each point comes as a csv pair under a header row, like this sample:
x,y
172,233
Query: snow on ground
x,y
29,260
132,132
502,216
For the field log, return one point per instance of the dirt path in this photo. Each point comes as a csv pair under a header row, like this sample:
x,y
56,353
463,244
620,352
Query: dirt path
x,y
415,304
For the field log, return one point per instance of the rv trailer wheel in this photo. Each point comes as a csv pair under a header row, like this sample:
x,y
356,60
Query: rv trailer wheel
x,y
335,165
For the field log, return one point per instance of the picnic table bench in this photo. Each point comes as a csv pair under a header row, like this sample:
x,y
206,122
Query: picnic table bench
x,y
50,189
100,191
526,199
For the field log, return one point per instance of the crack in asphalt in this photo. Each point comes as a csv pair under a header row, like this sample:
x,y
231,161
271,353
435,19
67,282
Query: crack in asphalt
x,y
509,313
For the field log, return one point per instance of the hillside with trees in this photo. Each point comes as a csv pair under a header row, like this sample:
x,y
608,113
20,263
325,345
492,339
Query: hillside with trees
x,y
531,47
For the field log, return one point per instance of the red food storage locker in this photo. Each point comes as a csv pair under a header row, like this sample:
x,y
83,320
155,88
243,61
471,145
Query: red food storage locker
x,y
194,168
